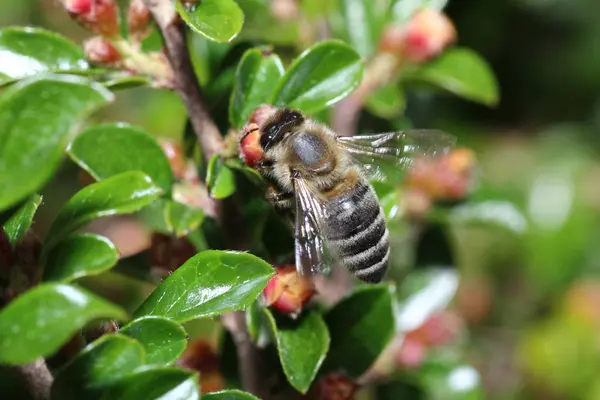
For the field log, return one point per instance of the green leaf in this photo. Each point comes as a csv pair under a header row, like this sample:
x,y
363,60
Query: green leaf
x,y
126,82
219,178
181,218
321,76
42,319
403,10
360,326
96,367
28,51
364,20
302,345
19,222
255,78
451,382
489,213
36,117
259,325
387,102
210,283
163,340
110,149
78,256
121,194
154,383
218,20
229,395
463,72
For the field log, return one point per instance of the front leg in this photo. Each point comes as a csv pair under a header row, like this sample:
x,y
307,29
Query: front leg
x,y
282,201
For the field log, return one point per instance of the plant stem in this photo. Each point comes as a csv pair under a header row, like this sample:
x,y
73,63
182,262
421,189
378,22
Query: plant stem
x,y
37,377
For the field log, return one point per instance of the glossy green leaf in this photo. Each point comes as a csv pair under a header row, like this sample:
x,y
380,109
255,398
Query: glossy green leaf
x,y
36,117
302,345
361,326
78,256
120,194
210,283
156,383
28,51
96,367
257,74
110,149
218,20
20,221
463,72
259,325
387,102
321,76
229,395
42,319
219,178
364,20
163,339
404,9
181,218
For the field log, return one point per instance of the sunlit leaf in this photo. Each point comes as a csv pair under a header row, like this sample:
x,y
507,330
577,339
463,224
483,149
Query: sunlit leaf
x,y
165,383
219,178
229,395
218,20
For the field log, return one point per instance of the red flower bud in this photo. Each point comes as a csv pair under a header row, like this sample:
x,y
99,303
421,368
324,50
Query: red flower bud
x,y
335,387
99,16
138,19
286,292
411,353
250,149
100,51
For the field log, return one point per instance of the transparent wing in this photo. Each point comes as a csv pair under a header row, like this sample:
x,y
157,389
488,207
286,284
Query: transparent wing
x,y
385,155
310,245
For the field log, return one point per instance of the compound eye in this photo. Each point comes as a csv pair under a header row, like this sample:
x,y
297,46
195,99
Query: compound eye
x,y
292,116
268,135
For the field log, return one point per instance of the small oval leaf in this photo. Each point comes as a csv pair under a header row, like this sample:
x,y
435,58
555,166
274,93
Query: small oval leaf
x,y
28,51
163,339
257,74
219,178
96,367
181,218
321,76
302,346
387,102
165,383
229,395
463,72
121,194
210,283
218,20
360,326
18,224
36,117
110,149
364,21
78,256
42,319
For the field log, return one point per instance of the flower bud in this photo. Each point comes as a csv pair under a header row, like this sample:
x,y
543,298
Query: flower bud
x,y
99,16
284,10
251,151
425,36
335,387
138,19
411,353
100,51
286,292
262,113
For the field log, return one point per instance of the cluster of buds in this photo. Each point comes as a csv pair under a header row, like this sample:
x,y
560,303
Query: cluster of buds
x,y
438,330
200,356
423,38
446,178
287,292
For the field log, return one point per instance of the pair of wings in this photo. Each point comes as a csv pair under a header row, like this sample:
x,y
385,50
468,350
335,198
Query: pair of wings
x,y
383,157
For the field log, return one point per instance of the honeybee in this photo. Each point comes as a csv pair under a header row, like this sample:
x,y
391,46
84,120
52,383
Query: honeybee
x,y
323,180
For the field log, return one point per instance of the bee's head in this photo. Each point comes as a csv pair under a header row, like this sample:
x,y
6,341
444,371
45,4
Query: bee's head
x,y
278,126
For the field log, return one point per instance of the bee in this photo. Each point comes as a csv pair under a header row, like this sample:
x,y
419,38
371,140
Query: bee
x,y
323,181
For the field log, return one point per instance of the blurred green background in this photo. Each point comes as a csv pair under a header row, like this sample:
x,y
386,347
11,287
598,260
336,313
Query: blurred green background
x,y
530,284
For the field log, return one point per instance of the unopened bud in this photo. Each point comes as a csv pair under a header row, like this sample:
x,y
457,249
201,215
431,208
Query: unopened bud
x,y
251,151
286,292
427,34
284,10
175,155
138,19
335,387
262,114
100,51
99,16
411,353
439,329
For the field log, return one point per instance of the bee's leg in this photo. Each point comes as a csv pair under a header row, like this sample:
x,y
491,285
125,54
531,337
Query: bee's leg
x,y
279,198
264,166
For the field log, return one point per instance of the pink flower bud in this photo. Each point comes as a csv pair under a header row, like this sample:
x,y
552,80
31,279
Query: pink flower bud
x,y
138,19
286,292
250,149
411,353
100,51
99,16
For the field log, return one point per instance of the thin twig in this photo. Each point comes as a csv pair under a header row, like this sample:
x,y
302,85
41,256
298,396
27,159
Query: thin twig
x,y
37,377
211,142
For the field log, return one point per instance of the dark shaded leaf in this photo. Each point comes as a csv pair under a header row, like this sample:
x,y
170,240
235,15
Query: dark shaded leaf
x,y
163,340
78,256
218,20
42,319
36,116
210,283
19,222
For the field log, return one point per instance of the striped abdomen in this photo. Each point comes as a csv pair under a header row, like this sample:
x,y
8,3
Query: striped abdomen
x,y
357,232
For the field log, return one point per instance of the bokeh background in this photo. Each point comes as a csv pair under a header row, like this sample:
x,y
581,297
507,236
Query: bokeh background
x,y
527,248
